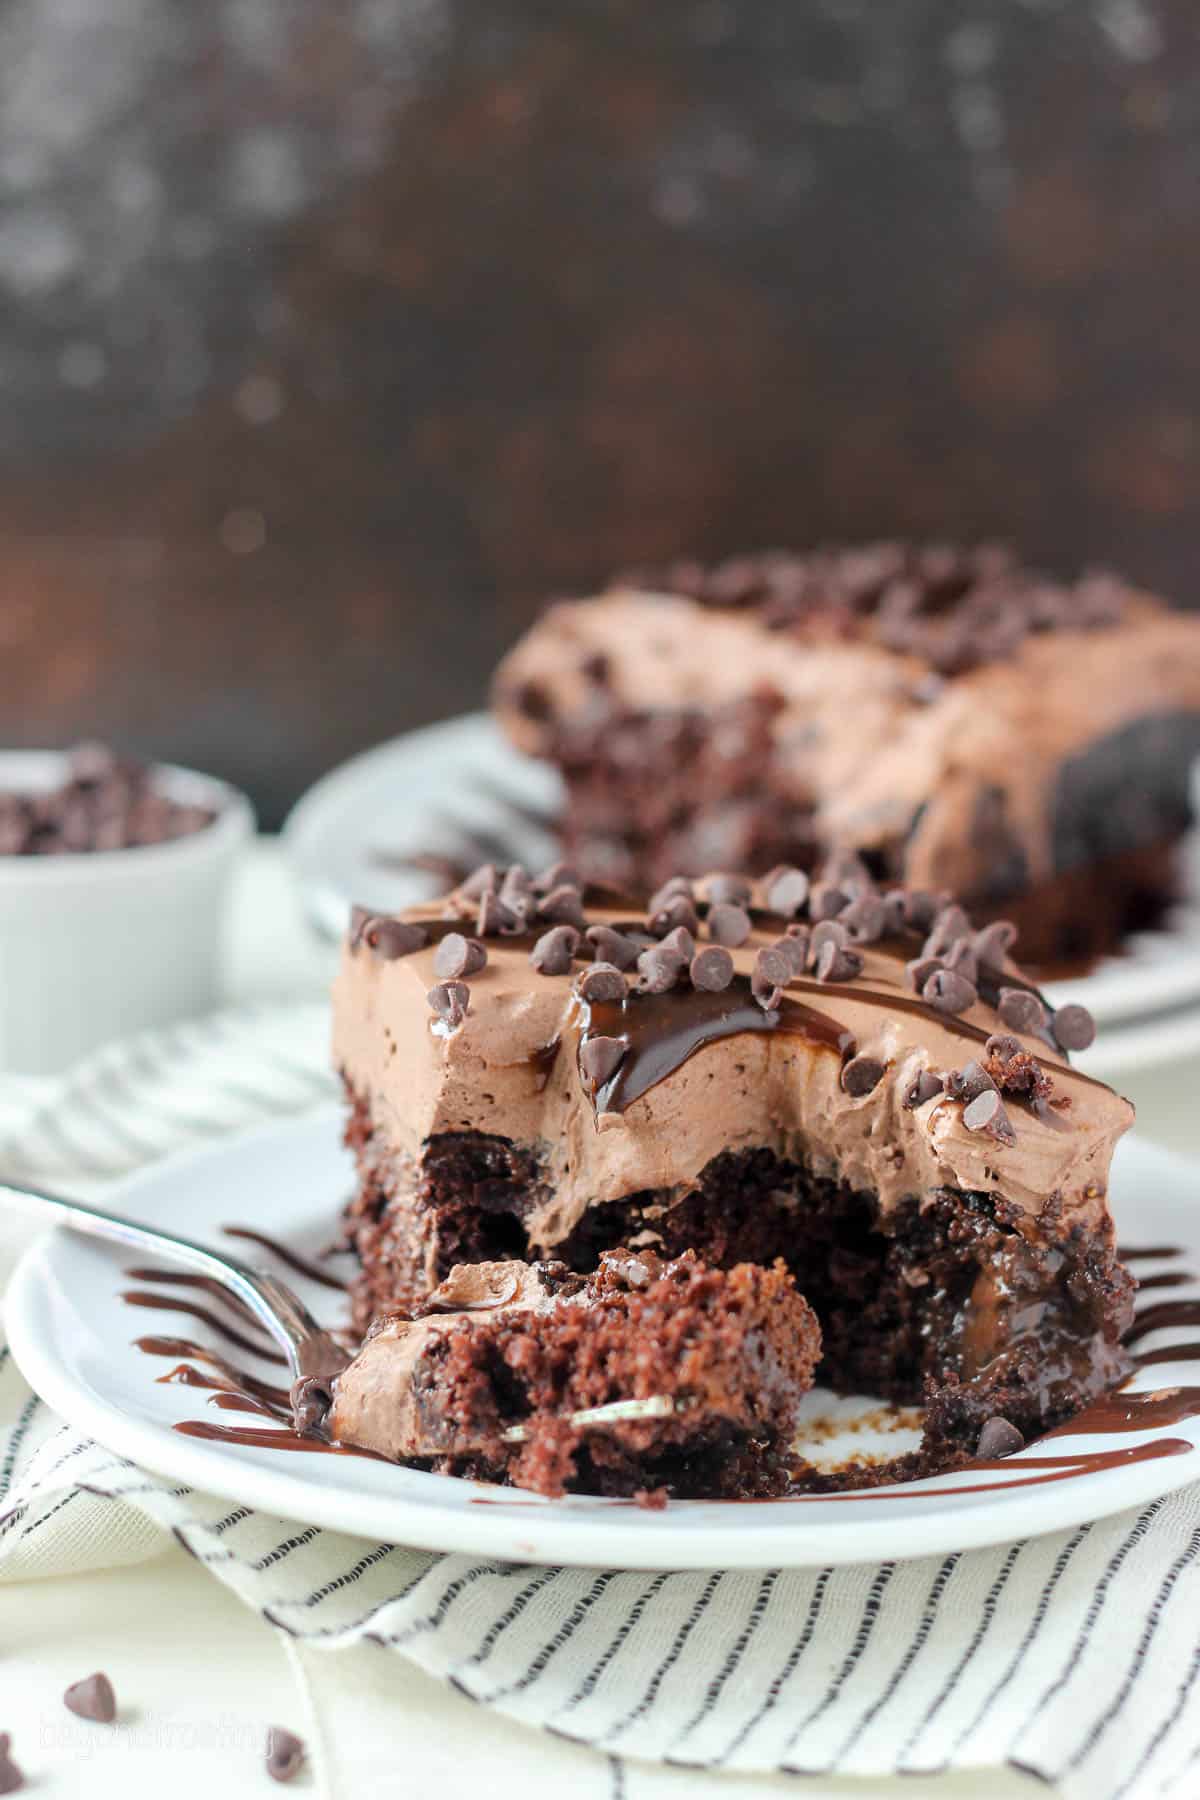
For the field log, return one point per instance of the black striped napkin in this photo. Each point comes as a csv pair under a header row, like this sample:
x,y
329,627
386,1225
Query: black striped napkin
x,y
1074,1656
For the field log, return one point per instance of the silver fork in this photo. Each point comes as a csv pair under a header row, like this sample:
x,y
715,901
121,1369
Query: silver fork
x,y
314,1358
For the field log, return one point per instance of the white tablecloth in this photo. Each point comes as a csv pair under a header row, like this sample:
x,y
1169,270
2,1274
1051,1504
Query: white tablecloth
x,y
203,1677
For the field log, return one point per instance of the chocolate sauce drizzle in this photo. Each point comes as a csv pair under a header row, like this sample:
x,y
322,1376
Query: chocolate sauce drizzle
x,y
1113,1415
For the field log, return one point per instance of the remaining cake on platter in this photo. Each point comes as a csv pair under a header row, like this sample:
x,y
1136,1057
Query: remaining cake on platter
x,y
487,1379
855,1082
961,721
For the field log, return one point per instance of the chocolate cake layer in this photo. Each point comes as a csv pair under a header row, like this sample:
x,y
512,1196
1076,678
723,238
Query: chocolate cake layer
x,y
963,723
858,1084
507,1345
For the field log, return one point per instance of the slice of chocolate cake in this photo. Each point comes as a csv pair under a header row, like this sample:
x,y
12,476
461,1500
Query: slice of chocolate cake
x,y
962,722
856,1082
489,1379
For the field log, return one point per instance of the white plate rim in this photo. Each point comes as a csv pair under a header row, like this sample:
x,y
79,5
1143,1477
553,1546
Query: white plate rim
x,y
529,1530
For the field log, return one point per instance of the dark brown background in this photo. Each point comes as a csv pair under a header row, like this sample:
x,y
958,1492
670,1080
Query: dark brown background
x,y
332,337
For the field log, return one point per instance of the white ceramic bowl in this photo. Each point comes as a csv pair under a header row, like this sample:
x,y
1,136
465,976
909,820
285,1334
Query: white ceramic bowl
x,y
96,945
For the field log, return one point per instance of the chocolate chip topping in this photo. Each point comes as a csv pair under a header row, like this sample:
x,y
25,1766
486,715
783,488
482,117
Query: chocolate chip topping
x,y
92,1698
994,941
793,947
1074,1027
728,924
483,880
285,1754
723,889
998,1438
949,992
965,1083
555,950
826,901
711,969
559,874
659,969
458,957
917,972
953,607
1021,1011
563,906
104,803
950,924
826,931
612,946
451,1001
495,919
675,911
599,1057
677,888
862,1075
389,939
681,941
600,982
360,918
962,959
864,920
986,1113
785,890
923,1089
11,1777
837,965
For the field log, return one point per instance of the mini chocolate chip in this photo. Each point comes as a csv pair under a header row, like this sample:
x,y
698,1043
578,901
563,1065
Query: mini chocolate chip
x,y
1003,1047
967,1082
611,946
948,992
285,1754
564,906
893,911
559,874
826,931
677,888
923,1089
864,920
555,950
920,908
793,947
918,971
676,910
681,941
389,939
847,870
11,1777
1074,1027
92,1698
483,880
600,982
826,901
837,965
728,924
950,924
517,881
733,890
495,917
711,969
599,1057
862,1075
998,1438
1021,1010
458,956
986,1113
774,967
659,969
451,1001
994,941
962,959
785,890
360,918
516,893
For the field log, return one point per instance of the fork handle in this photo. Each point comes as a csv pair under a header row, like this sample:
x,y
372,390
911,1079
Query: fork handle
x,y
309,1348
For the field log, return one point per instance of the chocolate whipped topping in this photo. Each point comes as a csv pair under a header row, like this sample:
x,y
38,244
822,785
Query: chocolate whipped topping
x,y
739,1076
918,745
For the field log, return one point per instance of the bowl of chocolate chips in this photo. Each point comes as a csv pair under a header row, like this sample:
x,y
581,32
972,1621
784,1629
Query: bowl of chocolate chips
x,y
113,880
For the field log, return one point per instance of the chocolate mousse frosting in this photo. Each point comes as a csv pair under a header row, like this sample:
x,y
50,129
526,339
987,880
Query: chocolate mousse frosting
x,y
858,1083
965,723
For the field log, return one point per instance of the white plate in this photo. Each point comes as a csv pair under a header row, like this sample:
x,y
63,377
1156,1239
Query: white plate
x,y
71,1335
426,790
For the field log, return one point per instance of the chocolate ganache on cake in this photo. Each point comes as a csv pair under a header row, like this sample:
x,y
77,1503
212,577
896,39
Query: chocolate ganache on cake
x,y
855,1082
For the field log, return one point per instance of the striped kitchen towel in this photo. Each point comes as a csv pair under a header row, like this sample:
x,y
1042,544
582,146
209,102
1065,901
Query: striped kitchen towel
x,y
1075,1656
